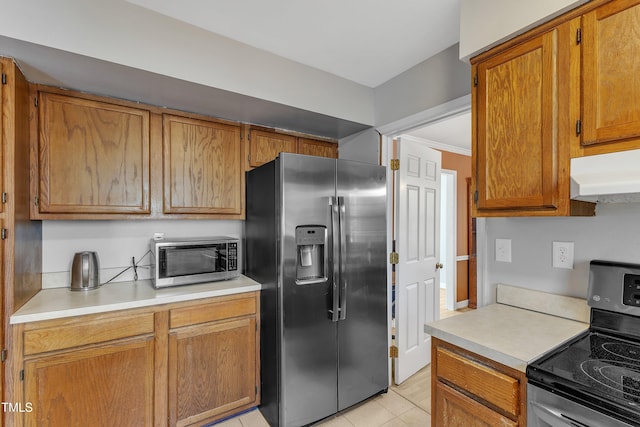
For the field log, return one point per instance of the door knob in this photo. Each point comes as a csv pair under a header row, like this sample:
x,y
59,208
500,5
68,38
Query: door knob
x,y
439,266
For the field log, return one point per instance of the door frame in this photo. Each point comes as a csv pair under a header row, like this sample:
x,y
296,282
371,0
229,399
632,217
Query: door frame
x,y
387,133
449,256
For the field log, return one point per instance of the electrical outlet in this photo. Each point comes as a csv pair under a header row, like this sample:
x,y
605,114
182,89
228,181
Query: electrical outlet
x,y
503,250
563,255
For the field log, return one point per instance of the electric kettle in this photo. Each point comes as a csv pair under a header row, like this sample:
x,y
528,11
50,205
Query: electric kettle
x,y
85,271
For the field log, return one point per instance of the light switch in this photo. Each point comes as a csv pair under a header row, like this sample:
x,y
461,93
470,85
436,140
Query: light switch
x,y
503,250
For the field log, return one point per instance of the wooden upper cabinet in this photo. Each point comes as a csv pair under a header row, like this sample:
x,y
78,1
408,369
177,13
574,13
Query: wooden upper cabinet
x,y
202,167
610,74
317,148
517,129
93,157
265,146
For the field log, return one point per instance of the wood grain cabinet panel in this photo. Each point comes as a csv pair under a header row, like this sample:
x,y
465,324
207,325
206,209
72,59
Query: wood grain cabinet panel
x,y
517,131
202,167
2,136
470,390
265,146
212,371
610,73
93,156
314,147
101,386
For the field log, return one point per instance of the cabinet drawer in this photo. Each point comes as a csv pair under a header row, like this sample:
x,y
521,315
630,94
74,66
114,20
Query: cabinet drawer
x,y
480,380
92,332
213,311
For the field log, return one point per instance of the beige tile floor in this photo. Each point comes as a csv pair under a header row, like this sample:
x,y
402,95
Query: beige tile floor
x,y
408,404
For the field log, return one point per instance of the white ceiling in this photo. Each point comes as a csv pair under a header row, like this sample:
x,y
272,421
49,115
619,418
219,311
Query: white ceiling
x,y
452,134
366,41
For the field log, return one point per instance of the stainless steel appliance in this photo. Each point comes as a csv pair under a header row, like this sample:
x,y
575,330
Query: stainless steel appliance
x,y
316,240
594,380
186,261
85,271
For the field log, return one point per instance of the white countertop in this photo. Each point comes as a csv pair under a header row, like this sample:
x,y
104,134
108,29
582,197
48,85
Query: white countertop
x,y
61,302
509,335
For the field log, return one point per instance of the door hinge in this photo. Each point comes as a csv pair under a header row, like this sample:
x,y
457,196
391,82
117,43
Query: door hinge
x,y
3,234
36,200
3,355
578,127
4,79
579,36
394,258
4,197
249,157
249,136
393,352
35,101
395,164
475,80
475,196
22,375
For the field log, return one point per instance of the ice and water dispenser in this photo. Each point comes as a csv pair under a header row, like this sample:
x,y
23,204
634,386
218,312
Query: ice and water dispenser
x,y
311,254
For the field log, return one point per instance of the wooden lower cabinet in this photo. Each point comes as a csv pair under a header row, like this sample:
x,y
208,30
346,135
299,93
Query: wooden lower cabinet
x,y
98,386
470,390
213,362
180,364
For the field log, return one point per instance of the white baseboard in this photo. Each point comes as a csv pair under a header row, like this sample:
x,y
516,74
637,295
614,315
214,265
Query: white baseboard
x,y
462,304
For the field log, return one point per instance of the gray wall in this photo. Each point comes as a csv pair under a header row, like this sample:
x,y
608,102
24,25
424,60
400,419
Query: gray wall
x,y
613,234
363,147
437,80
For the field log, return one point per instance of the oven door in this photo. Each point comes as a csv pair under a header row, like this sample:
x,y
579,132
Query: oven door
x,y
546,409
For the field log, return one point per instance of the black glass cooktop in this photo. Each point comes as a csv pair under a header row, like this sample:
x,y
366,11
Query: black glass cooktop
x,y
601,370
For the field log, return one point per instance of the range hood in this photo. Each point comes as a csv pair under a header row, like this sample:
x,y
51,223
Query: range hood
x,y
607,178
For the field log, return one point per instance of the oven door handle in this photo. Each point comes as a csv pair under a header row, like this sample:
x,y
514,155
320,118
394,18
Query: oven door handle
x,y
554,417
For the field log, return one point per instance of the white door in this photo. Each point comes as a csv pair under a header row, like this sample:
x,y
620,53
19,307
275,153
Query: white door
x,y
417,226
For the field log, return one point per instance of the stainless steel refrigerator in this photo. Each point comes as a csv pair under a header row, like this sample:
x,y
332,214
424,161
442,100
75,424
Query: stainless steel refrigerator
x,y
316,239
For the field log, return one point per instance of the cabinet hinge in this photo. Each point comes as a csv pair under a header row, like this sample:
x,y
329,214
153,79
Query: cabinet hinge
x,y
394,258
36,200
475,80
249,136
4,79
475,196
578,35
22,375
393,352
3,234
4,197
578,127
35,101
3,355
395,164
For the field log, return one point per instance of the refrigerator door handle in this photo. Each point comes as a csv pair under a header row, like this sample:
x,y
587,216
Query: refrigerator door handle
x,y
343,260
335,260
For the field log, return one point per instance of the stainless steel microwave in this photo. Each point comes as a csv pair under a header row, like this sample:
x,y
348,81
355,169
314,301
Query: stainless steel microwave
x,y
187,261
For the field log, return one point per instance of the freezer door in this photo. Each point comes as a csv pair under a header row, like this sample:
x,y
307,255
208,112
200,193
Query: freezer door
x,y
363,329
309,337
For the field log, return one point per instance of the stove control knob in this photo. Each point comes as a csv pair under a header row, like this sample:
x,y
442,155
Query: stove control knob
x,y
596,298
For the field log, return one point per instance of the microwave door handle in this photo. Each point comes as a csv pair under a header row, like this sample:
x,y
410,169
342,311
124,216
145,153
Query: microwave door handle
x,y
334,260
343,260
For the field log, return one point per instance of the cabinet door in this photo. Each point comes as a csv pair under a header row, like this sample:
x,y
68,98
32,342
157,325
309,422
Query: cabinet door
x,y
212,370
101,386
265,146
2,141
517,129
610,89
94,156
454,409
317,148
202,167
